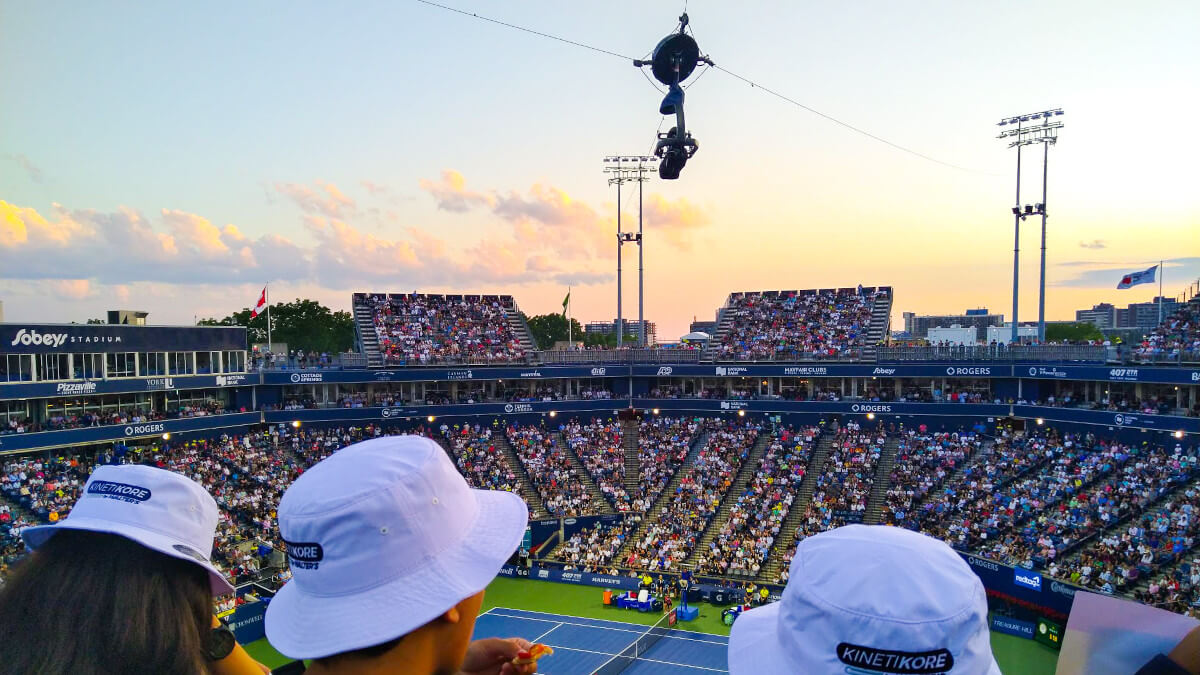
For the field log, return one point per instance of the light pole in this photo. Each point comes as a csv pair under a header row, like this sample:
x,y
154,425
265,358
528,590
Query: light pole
x,y
622,169
1046,133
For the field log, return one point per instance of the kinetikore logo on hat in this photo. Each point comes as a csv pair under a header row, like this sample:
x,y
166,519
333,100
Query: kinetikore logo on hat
x,y
892,662
305,555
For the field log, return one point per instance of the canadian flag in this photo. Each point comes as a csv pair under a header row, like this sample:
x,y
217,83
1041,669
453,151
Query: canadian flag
x,y
262,304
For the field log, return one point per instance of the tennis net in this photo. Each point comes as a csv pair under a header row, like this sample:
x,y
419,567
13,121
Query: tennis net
x,y
619,662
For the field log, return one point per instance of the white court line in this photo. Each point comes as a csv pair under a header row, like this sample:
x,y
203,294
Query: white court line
x,y
642,658
538,638
623,630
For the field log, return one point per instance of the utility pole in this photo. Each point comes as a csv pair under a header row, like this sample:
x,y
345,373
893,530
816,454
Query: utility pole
x,y
623,169
1045,132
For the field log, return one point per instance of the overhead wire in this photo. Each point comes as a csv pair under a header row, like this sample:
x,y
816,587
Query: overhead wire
x,y
747,80
847,125
524,29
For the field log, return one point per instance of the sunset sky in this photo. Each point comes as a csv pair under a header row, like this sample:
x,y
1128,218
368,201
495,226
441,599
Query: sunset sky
x,y
174,158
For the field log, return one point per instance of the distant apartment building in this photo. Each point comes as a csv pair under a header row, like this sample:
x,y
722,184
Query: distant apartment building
x,y
980,319
631,328
1102,316
1140,315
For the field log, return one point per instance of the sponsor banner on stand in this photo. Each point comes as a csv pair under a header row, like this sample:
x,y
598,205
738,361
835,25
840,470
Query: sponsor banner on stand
x,y
1022,584
247,622
124,385
472,373
115,432
1010,626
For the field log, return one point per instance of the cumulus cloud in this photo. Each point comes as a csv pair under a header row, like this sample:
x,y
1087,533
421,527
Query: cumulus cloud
x,y
544,235
546,219
1094,244
678,221
324,199
451,193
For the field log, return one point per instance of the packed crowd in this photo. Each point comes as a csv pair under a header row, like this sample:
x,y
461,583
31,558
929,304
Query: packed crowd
x,y
775,325
1158,534
673,533
843,486
425,329
923,462
664,444
593,549
1177,338
549,467
756,517
479,459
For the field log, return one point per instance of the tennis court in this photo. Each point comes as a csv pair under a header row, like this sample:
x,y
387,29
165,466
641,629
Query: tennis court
x,y
583,646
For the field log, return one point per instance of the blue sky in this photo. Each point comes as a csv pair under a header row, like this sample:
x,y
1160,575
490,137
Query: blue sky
x,y
153,153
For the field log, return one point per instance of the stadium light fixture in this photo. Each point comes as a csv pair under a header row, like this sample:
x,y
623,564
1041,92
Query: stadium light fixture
x,y
1046,133
623,169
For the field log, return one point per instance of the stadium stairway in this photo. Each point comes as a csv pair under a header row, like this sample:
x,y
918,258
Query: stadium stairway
x,y
877,329
584,475
744,475
787,533
364,325
663,498
883,480
537,509
520,328
724,322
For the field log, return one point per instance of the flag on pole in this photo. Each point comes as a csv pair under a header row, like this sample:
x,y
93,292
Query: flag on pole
x,y
261,305
1132,279
566,301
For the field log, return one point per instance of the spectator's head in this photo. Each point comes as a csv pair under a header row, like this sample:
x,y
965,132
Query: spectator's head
x,y
390,551
124,580
869,599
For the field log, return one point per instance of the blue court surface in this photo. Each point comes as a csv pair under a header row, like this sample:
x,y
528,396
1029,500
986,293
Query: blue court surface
x,y
582,645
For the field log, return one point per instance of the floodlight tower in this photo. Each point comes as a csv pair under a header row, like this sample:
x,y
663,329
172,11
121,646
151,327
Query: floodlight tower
x,y
623,169
1046,133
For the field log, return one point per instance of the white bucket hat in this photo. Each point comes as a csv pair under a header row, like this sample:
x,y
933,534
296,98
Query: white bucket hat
x,y
383,537
159,509
869,600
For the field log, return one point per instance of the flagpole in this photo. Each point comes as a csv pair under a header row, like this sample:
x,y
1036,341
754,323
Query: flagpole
x,y
267,294
1160,280
570,332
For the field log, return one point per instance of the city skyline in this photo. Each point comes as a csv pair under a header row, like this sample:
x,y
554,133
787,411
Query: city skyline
x,y
180,158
